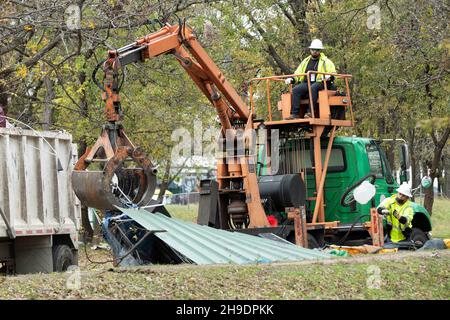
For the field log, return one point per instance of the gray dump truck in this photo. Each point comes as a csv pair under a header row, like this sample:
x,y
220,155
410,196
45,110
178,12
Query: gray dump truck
x,y
39,212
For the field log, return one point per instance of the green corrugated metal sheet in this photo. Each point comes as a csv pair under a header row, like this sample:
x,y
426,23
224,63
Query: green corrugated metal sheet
x,y
206,245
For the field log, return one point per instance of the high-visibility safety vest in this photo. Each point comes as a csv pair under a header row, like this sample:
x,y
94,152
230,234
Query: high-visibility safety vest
x,y
325,65
405,210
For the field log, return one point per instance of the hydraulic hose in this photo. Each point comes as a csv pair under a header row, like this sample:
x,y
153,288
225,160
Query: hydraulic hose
x,y
94,74
341,241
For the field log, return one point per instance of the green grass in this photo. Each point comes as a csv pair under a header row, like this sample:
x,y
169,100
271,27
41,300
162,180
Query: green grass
x,y
183,212
440,219
414,276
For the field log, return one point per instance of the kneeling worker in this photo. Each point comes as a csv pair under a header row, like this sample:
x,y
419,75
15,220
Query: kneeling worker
x,y
399,214
317,61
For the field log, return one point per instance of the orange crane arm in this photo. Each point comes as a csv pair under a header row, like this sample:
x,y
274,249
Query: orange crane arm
x,y
180,41
236,173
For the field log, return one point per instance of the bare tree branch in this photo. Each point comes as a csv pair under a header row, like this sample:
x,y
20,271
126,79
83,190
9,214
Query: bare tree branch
x,y
288,15
32,61
270,48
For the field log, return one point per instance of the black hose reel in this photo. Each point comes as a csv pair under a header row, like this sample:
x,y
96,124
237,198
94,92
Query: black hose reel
x,y
287,190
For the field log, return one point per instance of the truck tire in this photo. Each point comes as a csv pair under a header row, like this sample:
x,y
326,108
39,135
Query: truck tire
x,y
418,237
62,258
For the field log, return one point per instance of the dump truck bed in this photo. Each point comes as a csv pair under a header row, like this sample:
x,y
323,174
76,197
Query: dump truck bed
x,y
36,196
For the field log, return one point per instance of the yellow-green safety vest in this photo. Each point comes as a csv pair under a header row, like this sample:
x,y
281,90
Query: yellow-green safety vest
x,y
405,210
325,65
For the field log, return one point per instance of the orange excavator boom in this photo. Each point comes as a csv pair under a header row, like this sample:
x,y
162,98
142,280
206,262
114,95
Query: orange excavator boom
x,y
181,42
236,172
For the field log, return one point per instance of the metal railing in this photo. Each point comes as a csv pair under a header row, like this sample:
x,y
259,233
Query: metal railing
x,y
345,77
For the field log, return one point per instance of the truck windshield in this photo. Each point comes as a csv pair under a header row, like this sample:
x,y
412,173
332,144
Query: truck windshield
x,y
375,162
378,162
386,166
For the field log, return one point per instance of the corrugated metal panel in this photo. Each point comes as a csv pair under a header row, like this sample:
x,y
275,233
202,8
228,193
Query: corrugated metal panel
x,y
206,245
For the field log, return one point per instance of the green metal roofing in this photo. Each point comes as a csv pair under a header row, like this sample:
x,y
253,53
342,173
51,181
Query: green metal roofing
x,y
206,245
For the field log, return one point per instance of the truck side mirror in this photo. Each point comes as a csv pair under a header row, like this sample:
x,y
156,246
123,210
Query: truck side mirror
x,y
390,179
426,182
404,163
365,192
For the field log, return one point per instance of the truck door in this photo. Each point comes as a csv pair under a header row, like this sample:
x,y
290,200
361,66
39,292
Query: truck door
x,y
339,173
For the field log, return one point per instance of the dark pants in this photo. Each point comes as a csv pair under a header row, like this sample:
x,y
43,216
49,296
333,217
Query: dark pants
x,y
301,92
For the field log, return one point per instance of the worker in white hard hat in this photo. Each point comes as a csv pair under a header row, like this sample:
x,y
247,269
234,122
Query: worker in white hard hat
x,y
399,214
317,61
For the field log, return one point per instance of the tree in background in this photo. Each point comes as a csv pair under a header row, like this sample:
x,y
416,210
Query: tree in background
x,y
401,74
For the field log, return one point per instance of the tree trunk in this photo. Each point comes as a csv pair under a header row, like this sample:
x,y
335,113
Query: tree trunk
x,y
48,109
434,172
270,49
28,115
167,179
446,188
164,183
439,184
3,105
429,198
390,155
413,158
447,178
381,127
414,172
3,99
299,11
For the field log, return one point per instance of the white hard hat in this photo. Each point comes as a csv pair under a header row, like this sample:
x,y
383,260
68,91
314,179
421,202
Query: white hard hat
x,y
316,44
405,189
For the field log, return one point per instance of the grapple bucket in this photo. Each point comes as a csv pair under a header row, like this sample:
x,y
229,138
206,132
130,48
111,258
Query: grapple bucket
x,y
116,184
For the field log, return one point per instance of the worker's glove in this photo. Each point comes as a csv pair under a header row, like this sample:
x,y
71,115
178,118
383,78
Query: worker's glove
x,y
289,81
383,211
403,220
329,78
395,214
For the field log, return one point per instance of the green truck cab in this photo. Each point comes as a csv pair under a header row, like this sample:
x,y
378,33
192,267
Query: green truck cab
x,y
353,158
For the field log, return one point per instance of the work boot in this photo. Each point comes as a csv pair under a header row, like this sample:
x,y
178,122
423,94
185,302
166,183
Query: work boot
x,y
307,115
293,116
